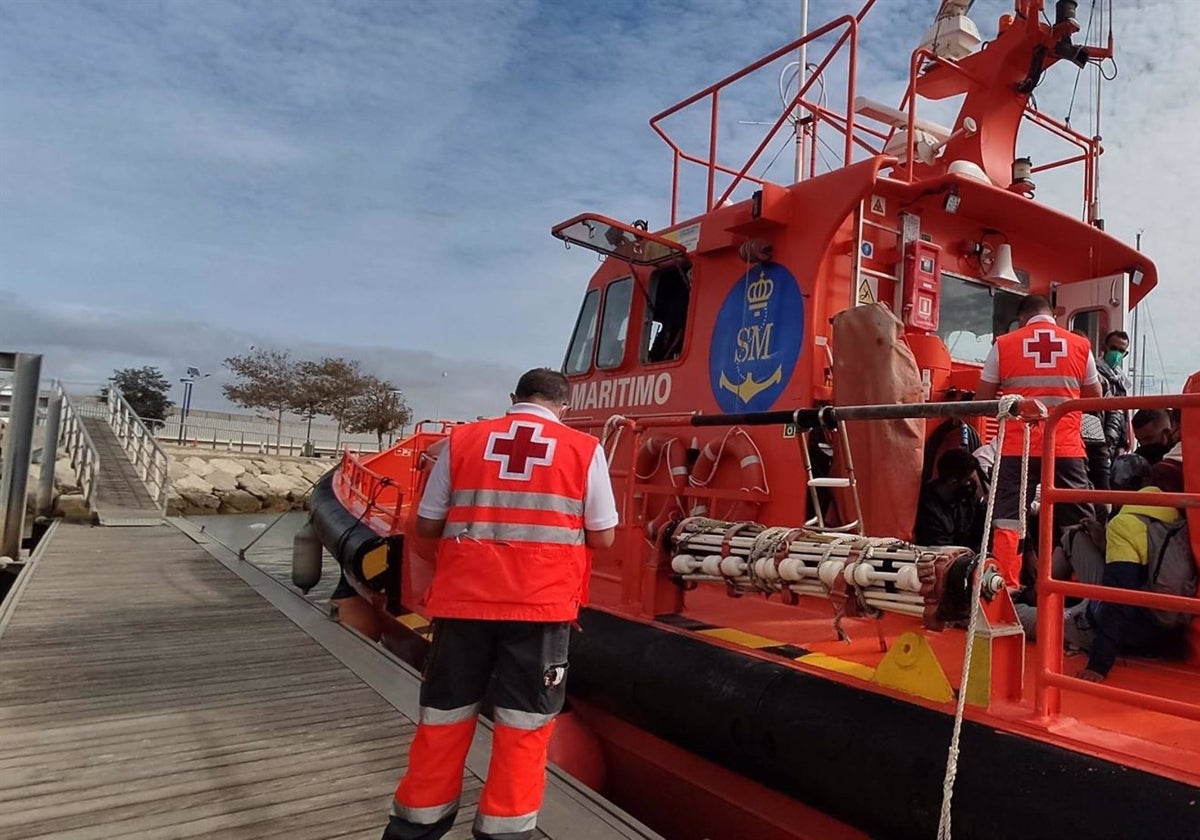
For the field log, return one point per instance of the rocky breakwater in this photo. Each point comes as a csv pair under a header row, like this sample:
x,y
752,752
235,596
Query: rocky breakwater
x,y
227,483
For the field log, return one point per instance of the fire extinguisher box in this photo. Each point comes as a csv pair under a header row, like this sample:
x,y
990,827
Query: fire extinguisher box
x,y
922,285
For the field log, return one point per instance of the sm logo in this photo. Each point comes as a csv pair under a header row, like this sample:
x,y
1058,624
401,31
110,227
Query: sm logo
x,y
757,339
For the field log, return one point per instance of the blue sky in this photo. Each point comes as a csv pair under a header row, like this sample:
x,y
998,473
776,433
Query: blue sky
x,y
180,180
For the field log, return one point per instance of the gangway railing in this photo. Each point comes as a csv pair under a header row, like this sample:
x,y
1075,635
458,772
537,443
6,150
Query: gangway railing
x,y
1051,591
149,460
85,461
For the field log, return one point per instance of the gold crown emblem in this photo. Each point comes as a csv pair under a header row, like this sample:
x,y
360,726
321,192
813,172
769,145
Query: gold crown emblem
x,y
758,293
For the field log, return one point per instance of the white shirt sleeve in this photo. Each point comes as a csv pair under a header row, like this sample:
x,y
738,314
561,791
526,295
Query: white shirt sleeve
x,y
1091,376
435,501
599,506
991,367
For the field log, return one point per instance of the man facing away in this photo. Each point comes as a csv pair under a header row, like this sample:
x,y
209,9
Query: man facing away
x,y
1038,360
519,502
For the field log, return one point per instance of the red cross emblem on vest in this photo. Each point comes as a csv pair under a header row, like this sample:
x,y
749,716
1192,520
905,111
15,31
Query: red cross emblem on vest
x,y
1045,348
519,450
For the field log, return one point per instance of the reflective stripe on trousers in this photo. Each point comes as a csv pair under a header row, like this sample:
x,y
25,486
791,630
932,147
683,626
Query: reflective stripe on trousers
x,y
431,788
516,781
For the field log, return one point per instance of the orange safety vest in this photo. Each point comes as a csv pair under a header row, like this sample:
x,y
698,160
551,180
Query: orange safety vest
x,y
513,545
1045,362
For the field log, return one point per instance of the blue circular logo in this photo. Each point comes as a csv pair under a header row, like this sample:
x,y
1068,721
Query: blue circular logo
x,y
756,341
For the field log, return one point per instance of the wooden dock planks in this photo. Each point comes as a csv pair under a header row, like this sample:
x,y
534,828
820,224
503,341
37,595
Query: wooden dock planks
x,y
146,692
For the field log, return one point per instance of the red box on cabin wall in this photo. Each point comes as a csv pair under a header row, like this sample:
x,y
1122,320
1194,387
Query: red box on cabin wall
x,y
922,285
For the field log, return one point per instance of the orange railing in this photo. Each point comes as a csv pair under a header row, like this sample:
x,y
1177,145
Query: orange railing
x,y
713,92
371,497
1052,592
375,486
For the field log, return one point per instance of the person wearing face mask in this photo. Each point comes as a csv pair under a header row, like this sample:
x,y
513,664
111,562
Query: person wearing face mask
x,y
1156,433
1106,433
949,510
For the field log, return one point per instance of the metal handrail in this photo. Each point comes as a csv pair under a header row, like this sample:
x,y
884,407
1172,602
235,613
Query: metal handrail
x,y
1052,592
148,458
85,459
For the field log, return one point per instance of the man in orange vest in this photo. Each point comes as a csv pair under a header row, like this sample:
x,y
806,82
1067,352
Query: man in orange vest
x,y
519,503
1039,360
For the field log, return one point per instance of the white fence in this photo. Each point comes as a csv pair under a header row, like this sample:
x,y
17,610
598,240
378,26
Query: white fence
x,y
249,433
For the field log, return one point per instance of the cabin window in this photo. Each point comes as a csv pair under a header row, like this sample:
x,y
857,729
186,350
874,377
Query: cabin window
x,y
666,314
1090,322
579,355
615,326
972,316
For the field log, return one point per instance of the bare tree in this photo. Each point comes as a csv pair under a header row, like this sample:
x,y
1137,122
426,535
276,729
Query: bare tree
x,y
266,380
380,408
344,382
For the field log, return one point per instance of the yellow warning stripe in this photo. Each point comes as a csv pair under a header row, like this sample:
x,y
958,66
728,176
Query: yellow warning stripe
x,y
416,623
841,666
820,660
739,637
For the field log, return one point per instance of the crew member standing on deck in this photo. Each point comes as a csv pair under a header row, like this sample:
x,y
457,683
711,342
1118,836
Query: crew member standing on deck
x,y
519,503
1038,360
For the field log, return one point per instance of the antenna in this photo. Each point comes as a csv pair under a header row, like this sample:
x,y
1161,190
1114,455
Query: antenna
x,y
1133,364
801,78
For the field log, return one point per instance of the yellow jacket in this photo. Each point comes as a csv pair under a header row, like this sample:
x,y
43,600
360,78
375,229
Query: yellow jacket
x,y
1126,532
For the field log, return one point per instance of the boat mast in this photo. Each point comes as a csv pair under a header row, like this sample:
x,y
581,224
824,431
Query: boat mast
x,y
801,127
1133,365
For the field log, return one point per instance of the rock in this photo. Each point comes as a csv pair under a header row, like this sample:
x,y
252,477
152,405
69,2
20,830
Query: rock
x,y
291,469
239,501
64,477
199,503
254,485
197,466
228,465
276,503
280,484
193,484
176,504
73,508
313,472
252,468
222,481
269,465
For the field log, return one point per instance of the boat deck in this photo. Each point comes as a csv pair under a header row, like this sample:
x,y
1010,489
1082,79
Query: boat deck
x,y
154,687
805,633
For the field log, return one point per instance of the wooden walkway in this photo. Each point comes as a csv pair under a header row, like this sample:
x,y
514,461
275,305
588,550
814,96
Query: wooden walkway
x,y
120,496
148,692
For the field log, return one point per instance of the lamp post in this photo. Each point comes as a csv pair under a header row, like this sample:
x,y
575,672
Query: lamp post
x,y
441,388
193,373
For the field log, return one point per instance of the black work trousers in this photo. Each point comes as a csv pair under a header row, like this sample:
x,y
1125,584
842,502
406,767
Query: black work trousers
x,y
520,667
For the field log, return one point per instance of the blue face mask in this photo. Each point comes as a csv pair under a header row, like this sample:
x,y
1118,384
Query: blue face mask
x,y
1114,358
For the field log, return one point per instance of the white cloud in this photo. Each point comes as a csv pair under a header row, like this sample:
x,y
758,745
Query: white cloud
x,y
374,175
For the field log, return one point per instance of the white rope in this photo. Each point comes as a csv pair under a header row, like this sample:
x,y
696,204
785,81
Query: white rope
x,y
1006,405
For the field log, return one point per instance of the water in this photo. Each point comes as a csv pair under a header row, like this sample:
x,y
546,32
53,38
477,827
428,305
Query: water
x,y
272,553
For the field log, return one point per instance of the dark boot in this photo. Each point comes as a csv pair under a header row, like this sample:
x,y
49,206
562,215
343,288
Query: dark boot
x,y
400,829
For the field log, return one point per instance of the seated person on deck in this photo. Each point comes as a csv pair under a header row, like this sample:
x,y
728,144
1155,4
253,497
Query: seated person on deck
x,y
949,512
1145,544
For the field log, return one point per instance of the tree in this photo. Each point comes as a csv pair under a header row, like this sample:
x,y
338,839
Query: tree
x,y
345,382
145,389
326,387
266,380
380,408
